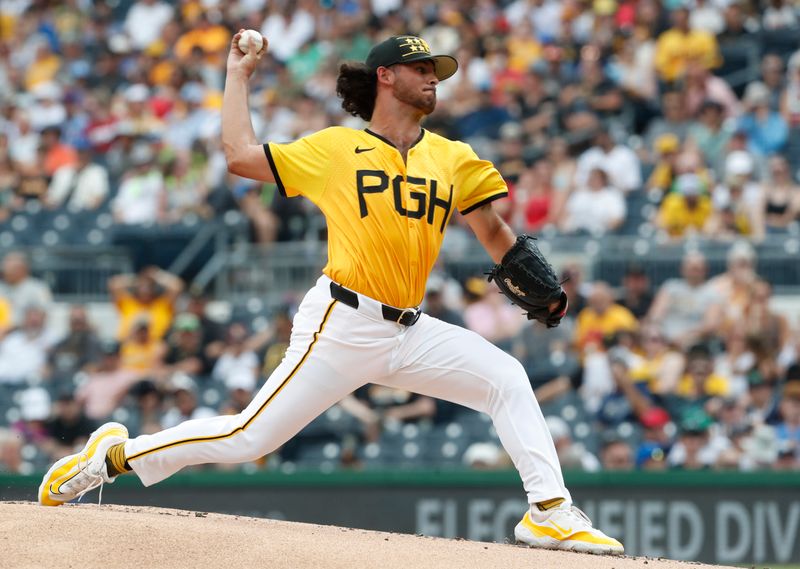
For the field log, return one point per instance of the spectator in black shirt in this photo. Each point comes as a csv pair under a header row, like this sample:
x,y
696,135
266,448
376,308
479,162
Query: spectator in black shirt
x,y
69,428
185,352
637,295
80,347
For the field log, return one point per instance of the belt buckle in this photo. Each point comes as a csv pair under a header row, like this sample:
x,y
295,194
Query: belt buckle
x,y
414,311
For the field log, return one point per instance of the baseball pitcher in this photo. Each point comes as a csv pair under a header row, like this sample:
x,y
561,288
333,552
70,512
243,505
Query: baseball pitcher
x,y
387,192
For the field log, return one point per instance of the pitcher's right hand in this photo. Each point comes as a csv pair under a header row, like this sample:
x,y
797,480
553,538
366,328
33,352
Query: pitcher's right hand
x,y
244,63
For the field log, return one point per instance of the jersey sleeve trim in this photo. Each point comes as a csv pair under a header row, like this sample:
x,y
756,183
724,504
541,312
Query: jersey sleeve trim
x,y
483,202
274,169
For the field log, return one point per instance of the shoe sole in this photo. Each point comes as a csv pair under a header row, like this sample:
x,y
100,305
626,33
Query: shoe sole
x,y
524,537
62,471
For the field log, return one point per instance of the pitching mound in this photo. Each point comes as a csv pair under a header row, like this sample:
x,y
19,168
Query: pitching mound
x,y
109,537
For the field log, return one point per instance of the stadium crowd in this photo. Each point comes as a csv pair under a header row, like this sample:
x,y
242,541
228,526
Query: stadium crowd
x,y
589,109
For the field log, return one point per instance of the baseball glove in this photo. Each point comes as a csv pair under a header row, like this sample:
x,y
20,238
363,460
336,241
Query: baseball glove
x,y
530,282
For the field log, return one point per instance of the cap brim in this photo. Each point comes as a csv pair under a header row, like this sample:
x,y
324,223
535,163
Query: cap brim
x,y
445,65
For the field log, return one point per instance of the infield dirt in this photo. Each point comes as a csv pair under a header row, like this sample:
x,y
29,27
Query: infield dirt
x,y
86,536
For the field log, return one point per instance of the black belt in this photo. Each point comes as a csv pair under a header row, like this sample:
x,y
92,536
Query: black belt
x,y
406,317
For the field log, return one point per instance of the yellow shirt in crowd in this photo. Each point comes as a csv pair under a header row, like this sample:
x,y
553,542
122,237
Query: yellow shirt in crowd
x,y
159,313
676,217
714,386
592,327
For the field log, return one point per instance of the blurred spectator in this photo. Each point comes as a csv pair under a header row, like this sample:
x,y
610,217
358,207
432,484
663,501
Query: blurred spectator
x,y
34,410
237,365
10,452
781,197
739,198
764,323
597,208
185,190
69,428
184,396
490,314
629,400
185,351
733,287
703,86
790,102
213,332
601,318
147,408
651,456
616,454
660,365
20,288
706,16
57,155
686,210
700,385
676,45
619,162
762,400
577,290
675,119
137,200
436,308
486,456
693,450
107,384
547,357
766,129
240,393
636,293
738,24
665,148
788,429
83,186
572,455
151,293
141,350
145,20
779,15
710,136
192,121
773,76
533,198
23,352
277,345
80,346
760,448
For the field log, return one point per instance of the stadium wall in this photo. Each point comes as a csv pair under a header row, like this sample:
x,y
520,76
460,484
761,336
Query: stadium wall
x,y
714,517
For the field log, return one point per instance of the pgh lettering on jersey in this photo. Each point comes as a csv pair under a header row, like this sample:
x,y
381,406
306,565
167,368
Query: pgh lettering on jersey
x,y
386,216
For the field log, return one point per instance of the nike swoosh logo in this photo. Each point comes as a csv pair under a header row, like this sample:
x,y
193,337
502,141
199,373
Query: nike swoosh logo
x,y
360,150
566,532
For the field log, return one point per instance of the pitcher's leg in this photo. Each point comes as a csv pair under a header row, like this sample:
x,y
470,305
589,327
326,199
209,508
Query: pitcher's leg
x,y
304,385
451,363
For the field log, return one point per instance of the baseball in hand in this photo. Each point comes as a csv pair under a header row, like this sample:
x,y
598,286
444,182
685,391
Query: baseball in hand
x,y
244,41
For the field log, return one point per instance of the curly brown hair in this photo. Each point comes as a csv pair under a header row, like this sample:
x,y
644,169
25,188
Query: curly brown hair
x,y
357,86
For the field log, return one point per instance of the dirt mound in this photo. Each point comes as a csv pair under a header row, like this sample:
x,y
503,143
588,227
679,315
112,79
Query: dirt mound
x,y
88,536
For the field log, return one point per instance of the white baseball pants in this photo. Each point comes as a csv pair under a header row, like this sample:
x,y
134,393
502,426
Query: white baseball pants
x,y
336,349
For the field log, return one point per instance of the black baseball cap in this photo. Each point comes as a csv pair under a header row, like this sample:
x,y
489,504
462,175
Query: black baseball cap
x,y
405,49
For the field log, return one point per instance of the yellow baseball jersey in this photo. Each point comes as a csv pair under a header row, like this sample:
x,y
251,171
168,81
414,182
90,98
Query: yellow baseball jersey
x,y
386,216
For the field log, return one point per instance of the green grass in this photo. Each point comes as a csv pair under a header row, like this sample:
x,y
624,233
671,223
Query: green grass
x,y
764,566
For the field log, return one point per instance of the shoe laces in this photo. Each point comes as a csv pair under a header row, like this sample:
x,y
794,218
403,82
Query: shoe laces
x,y
576,512
96,479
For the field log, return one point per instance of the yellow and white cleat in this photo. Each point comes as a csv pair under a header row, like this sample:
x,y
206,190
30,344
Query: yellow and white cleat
x,y
565,527
74,475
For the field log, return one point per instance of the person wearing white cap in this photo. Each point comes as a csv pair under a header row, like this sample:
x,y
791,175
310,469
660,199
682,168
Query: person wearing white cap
x,y
687,209
766,129
738,207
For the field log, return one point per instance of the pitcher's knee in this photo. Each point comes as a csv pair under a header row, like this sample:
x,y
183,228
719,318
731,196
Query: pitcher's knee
x,y
511,377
